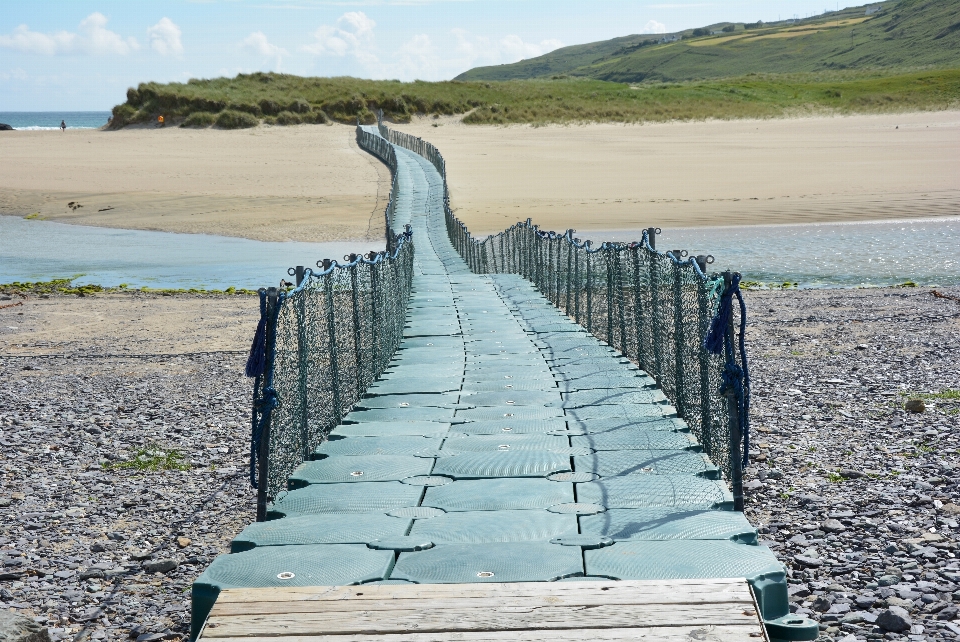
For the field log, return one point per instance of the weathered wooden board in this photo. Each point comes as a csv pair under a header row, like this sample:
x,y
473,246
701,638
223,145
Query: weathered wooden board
x,y
714,609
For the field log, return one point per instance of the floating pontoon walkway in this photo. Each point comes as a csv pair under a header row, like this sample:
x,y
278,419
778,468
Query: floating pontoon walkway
x,y
491,485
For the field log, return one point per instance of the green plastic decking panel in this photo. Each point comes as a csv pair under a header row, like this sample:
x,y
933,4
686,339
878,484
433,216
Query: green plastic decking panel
x,y
499,562
503,442
636,438
609,463
513,398
410,413
430,400
524,463
393,445
372,497
498,495
492,413
517,426
680,560
669,523
320,529
392,429
651,422
495,526
648,491
359,469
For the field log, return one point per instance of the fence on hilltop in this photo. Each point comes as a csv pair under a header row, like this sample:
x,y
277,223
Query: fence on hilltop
x,y
322,344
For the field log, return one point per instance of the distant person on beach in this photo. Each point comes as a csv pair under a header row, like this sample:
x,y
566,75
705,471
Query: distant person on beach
x,y
159,121
63,125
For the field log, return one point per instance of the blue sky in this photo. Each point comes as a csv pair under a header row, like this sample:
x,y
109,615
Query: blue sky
x,y
83,55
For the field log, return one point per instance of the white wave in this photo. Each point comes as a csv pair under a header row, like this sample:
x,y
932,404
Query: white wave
x,y
37,128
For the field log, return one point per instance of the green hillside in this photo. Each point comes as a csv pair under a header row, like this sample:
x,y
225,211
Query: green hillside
x,y
903,34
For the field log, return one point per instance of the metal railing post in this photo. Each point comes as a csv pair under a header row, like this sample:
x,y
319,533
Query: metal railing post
x,y
679,341
357,346
263,450
733,416
332,346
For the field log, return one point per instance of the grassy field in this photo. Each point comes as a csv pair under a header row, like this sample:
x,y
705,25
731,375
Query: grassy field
x,y
904,34
247,100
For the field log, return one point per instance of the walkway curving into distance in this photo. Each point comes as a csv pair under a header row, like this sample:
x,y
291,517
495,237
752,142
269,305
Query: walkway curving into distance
x,y
504,444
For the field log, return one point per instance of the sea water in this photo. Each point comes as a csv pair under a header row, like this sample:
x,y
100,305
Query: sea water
x,y
923,251
36,250
50,120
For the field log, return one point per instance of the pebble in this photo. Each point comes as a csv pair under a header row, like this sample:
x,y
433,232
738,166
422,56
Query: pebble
x,y
90,549
864,511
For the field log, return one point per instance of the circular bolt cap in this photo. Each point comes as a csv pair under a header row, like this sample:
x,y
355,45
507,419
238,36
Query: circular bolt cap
x,y
286,575
485,574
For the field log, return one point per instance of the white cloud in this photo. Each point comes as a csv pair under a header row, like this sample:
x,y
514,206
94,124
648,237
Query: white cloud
x,y
257,44
92,38
165,38
352,36
654,27
513,48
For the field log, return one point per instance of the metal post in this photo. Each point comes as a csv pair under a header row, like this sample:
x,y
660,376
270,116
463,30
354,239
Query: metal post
x,y
332,347
619,298
638,308
679,340
576,280
655,320
569,244
374,321
652,237
706,418
607,261
733,414
589,295
299,274
263,452
357,347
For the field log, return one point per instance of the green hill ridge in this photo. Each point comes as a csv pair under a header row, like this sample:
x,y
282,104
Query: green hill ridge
x,y
897,34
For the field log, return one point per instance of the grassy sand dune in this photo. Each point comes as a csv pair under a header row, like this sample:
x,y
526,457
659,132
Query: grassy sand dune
x,y
248,100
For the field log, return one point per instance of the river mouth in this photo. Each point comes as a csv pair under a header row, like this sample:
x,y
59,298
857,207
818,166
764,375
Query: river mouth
x,y
37,250
810,255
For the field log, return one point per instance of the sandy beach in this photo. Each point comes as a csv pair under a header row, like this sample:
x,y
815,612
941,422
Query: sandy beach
x,y
307,183
610,177
312,183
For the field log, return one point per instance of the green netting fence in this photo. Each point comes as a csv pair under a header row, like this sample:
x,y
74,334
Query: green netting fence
x,y
320,345
655,307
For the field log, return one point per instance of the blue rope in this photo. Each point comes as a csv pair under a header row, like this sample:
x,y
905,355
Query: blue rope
x,y
735,376
257,361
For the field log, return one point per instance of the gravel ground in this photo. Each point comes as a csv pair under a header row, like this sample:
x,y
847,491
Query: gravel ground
x,y
858,497
90,547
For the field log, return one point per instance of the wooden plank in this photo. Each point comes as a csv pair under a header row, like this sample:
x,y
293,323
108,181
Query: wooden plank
x,y
484,619
743,600
373,592
689,633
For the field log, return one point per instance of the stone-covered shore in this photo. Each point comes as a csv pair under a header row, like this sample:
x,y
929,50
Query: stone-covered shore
x,y
858,497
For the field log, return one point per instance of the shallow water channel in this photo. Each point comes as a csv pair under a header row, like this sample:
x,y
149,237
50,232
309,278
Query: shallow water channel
x,y
42,250
924,251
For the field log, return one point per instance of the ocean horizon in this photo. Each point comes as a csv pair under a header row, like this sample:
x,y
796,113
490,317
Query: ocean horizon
x,y
50,120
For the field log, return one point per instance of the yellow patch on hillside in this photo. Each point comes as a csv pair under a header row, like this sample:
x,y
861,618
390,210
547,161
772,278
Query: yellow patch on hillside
x,y
792,32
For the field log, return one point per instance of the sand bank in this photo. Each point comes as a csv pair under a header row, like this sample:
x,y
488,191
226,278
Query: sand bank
x,y
312,183
608,177
305,183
